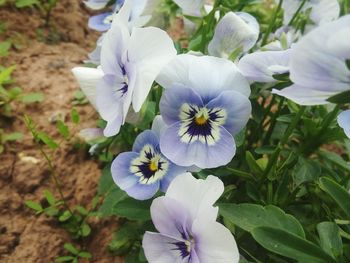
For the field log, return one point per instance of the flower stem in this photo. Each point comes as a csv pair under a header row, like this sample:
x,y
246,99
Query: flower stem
x,y
272,23
296,13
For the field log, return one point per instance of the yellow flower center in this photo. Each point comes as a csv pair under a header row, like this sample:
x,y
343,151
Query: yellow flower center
x,y
153,165
202,116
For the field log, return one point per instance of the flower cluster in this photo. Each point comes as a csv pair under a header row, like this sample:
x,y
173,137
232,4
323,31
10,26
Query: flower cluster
x,y
204,103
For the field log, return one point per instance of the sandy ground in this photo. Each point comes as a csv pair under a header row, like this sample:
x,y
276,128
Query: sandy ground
x,y
25,237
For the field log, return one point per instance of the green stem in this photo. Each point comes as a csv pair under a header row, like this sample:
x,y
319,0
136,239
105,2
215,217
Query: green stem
x,y
207,27
283,141
242,174
273,121
296,13
272,23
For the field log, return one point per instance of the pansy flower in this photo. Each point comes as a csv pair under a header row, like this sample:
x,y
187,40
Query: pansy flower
x,y
186,220
145,169
129,65
344,122
205,103
235,33
318,66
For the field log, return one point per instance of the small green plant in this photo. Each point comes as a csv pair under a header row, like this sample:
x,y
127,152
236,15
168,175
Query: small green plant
x,y
75,254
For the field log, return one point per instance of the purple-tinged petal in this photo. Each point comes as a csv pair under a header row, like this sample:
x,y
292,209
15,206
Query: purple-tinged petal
x,y
220,151
258,66
172,100
146,137
170,217
214,242
121,170
196,195
173,171
96,4
237,107
158,125
101,22
344,122
143,191
338,43
304,96
160,248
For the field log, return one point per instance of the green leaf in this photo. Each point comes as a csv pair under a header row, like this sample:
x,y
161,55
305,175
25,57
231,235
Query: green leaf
x,y
112,198
289,245
64,259
340,98
85,230
32,97
26,3
47,140
306,171
252,163
62,129
75,116
330,238
251,216
82,210
15,136
5,75
338,193
4,48
72,249
133,209
65,216
34,205
105,183
50,197
85,254
336,160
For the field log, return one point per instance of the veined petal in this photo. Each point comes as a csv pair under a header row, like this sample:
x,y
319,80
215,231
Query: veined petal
x,y
258,66
214,242
324,11
234,32
160,248
149,50
101,22
238,109
305,96
172,101
88,78
192,7
196,195
344,122
145,137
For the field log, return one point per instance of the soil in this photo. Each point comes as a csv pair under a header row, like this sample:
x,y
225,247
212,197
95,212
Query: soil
x,y
24,174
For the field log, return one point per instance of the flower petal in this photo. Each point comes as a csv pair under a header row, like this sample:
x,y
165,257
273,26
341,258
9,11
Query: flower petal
x,y
172,100
237,107
96,4
344,122
196,195
304,96
145,137
192,7
149,50
257,66
197,153
160,248
88,79
99,22
234,32
214,242
158,125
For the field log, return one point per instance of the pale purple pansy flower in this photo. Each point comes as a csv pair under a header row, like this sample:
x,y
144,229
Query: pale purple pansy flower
x,y
235,33
322,11
318,64
344,122
261,66
144,170
129,65
186,220
205,103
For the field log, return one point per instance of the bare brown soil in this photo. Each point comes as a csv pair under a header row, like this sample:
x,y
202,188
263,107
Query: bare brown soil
x,y
24,174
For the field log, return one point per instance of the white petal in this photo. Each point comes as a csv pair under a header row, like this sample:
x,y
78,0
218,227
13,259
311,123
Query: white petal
x,y
150,49
192,7
260,66
304,96
158,125
233,32
289,9
88,79
96,5
321,68
324,11
197,195
339,44
344,121
214,242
